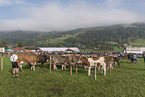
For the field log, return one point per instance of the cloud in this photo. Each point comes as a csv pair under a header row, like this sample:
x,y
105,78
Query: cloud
x,y
54,16
113,3
11,2
5,2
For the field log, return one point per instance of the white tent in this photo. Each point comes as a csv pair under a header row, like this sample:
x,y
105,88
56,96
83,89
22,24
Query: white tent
x,y
58,49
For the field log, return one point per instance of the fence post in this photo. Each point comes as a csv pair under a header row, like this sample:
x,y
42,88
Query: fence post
x,y
50,64
76,70
95,72
71,70
1,63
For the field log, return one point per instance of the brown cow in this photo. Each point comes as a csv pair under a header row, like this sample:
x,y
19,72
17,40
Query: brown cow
x,y
42,58
28,59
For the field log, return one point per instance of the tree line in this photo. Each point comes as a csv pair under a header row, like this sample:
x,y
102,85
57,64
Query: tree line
x,y
100,38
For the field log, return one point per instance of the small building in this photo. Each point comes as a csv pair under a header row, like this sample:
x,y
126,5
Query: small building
x,y
26,49
59,49
2,48
127,45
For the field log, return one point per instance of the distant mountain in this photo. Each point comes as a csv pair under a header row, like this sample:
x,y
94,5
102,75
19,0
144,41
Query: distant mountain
x,y
100,38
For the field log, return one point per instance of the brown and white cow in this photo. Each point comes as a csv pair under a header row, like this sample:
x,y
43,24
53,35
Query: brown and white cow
x,y
111,60
60,60
116,60
28,59
91,62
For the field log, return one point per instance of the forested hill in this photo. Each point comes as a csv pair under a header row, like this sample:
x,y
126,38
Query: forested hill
x,y
107,38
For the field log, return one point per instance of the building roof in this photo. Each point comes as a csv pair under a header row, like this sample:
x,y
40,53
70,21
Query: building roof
x,y
19,48
53,49
32,48
26,47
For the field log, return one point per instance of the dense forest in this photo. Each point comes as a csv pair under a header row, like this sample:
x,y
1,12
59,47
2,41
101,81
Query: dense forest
x,y
99,38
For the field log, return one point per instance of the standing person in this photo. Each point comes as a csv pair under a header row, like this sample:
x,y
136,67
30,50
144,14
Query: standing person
x,y
134,58
15,65
144,57
129,57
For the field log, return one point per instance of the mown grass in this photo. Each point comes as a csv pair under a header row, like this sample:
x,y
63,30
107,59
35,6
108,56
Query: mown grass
x,y
126,81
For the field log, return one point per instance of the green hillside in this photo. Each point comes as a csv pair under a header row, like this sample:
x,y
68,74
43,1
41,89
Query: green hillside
x,y
138,42
95,38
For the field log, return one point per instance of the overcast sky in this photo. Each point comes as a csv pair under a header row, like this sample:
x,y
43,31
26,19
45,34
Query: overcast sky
x,y
59,15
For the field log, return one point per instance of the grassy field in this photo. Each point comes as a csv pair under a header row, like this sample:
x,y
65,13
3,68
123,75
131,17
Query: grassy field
x,y
61,39
126,81
139,42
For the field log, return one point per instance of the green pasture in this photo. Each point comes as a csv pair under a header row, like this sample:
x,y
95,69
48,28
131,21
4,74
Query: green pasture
x,y
139,42
126,81
61,39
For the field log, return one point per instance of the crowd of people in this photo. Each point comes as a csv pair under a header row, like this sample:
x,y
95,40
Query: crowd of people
x,y
132,57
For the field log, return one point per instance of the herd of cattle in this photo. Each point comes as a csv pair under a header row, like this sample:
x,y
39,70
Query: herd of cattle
x,y
102,62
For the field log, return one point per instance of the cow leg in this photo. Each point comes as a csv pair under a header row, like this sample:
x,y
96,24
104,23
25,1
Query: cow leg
x,y
89,71
34,67
42,64
102,69
62,67
104,65
31,67
21,68
73,67
81,67
54,67
65,67
99,68
110,67
115,63
85,67
118,63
